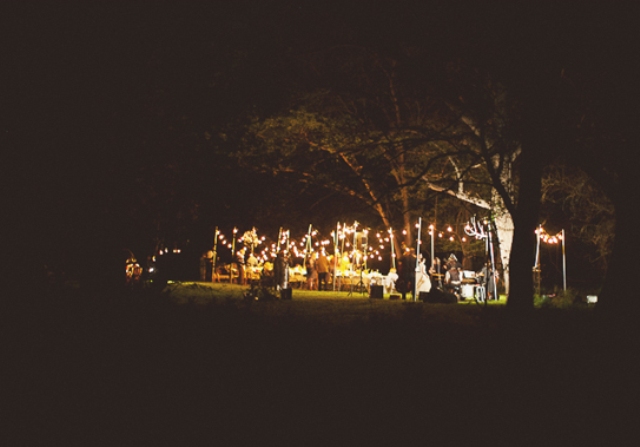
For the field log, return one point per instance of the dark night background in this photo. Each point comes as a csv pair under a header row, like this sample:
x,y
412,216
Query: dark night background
x,y
119,119
117,124
107,105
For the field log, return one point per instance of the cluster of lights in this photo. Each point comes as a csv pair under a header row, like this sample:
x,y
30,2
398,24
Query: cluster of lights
x,y
548,238
448,233
344,240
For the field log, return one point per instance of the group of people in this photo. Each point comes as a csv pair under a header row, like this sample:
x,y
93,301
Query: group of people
x,y
412,275
411,266
449,275
245,264
317,267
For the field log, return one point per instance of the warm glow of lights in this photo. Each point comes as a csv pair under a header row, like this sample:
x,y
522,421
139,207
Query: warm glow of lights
x,y
449,229
547,238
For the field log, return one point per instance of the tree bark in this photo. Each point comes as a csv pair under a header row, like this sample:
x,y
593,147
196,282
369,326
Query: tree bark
x,y
619,293
525,222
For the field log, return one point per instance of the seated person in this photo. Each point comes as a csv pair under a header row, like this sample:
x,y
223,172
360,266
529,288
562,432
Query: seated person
x,y
390,281
453,276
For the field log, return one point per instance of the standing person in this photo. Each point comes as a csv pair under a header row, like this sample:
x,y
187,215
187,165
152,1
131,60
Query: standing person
x,y
252,261
407,273
490,279
240,261
252,268
322,267
312,274
281,272
206,265
423,283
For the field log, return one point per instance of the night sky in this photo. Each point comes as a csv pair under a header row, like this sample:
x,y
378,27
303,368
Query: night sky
x,y
100,97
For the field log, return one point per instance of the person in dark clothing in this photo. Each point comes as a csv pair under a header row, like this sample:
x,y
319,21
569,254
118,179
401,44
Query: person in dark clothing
x,y
206,264
312,274
281,271
407,277
241,263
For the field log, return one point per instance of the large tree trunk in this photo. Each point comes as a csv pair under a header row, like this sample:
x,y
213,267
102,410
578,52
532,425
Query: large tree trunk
x,y
504,232
619,293
524,238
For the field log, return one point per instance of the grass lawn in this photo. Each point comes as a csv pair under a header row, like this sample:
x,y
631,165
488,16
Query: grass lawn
x,y
199,365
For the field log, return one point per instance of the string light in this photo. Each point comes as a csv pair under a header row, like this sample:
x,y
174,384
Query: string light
x,y
346,234
548,238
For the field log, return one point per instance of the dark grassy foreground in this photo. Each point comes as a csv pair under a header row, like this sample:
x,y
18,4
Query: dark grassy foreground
x,y
102,369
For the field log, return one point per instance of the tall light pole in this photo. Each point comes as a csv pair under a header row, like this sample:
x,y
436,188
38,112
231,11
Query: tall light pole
x,y
418,243
564,264
215,252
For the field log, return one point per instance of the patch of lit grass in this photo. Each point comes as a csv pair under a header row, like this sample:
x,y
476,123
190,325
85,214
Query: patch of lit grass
x,y
332,307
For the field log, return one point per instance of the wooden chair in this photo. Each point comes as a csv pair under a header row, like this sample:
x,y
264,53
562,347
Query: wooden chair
x,y
227,273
